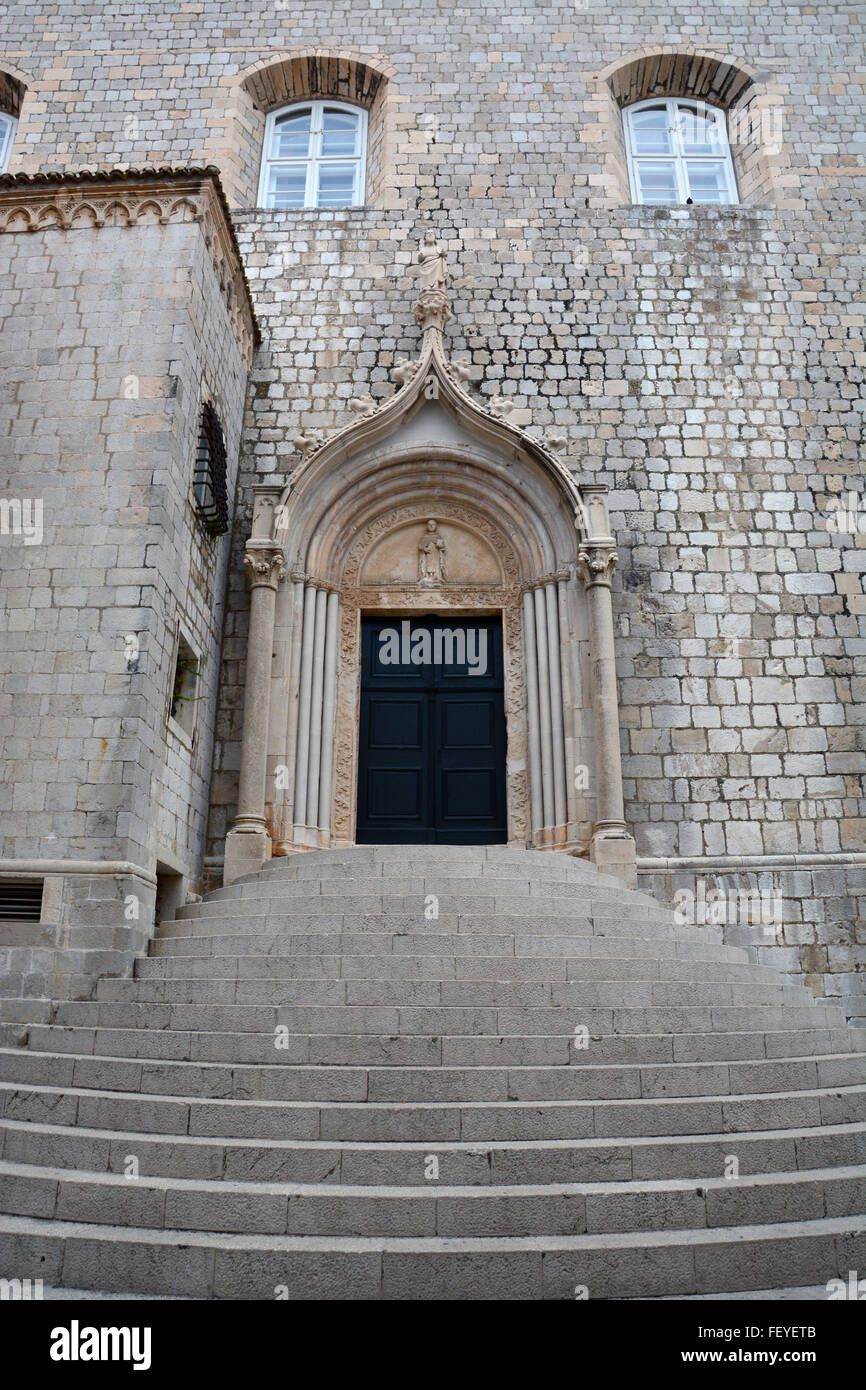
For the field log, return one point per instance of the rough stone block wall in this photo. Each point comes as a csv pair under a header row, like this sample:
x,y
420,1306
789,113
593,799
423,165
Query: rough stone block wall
x,y
707,363
109,337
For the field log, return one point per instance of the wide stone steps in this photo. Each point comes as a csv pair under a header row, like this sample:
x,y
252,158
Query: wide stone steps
x,y
352,1049
298,1082
399,1164
447,1020
327,1090
443,1120
546,969
431,1209
613,1265
456,945
434,993
454,914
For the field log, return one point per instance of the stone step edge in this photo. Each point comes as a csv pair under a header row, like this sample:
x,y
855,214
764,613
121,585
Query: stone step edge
x,y
851,1128
403,1107
343,1068
68,1028
780,980
427,1191
426,1245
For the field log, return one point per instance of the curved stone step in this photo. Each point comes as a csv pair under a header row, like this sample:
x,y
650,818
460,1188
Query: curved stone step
x,y
431,1209
404,942
205,1265
484,993
444,1019
549,970
426,1122
583,1079
696,1157
512,1049
450,900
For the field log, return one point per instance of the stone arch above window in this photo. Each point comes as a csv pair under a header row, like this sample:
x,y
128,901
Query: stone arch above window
x,y
754,111
280,80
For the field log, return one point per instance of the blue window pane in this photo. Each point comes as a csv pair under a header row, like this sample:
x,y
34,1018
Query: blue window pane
x,y
657,181
336,185
288,186
707,181
340,133
700,133
650,133
291,138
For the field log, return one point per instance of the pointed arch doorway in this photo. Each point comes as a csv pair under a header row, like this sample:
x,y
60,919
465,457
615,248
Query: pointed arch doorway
x,y
351,533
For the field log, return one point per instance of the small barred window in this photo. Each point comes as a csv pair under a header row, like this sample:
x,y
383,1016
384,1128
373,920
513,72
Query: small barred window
x,y
209,480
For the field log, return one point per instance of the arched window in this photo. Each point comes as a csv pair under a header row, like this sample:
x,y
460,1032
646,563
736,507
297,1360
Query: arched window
x,y
314,156
678,152
7,135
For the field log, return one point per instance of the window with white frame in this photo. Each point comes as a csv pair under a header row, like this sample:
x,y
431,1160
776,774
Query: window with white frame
x,y
7,135
678,152
314,156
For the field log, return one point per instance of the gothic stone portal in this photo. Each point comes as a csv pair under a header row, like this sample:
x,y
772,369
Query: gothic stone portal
x,y
397,569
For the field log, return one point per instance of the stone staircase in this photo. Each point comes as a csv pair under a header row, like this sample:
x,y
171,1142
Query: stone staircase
x,y
326,1093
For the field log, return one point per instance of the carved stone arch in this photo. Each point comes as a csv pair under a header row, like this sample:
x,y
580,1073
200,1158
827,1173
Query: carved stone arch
x,y
753,100
278,79
431,453
457,463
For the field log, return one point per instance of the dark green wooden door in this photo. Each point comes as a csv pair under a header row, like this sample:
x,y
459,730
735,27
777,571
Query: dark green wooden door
x,y
432,732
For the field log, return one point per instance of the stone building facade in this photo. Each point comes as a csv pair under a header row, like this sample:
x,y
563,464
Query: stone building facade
x,y
700,363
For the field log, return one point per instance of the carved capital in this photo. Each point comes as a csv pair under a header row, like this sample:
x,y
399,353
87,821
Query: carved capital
x,y
596,564
265,565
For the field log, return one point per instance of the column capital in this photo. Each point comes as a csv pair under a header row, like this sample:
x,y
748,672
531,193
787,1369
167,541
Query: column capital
x,y
596,564
265,564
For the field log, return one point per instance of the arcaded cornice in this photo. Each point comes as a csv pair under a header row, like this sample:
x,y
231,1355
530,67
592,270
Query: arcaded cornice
x,y
68,200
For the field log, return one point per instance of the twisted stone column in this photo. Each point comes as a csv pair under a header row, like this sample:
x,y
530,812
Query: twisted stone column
x,y
248,844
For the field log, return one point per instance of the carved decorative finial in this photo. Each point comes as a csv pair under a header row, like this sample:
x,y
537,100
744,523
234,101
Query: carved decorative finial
x,y
363,405
556,441
432,307
403,370
307,441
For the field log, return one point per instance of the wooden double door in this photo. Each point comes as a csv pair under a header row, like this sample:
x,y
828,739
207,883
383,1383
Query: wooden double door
x,y
432,732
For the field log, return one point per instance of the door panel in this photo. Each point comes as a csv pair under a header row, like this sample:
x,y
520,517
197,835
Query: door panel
x,y
432,734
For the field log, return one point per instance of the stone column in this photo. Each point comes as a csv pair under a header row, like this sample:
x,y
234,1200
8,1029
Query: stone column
x,y
329,706
248,844
612,848
536,819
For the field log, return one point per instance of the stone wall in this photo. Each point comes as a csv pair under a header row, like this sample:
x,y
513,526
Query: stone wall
x,y
111,336
704,362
